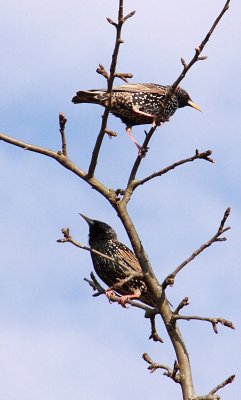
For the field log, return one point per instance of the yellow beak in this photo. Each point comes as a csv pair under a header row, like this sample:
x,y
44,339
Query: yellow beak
x,y
191,104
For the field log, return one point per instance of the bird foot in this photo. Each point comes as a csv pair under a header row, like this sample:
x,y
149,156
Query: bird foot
x,y
109,293
123,299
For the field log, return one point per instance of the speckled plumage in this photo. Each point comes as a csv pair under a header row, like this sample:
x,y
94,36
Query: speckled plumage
x,y
131,100
104,239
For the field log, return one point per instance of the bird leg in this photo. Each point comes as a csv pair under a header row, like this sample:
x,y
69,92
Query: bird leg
x,y
123,299
137,111
141,152
109,293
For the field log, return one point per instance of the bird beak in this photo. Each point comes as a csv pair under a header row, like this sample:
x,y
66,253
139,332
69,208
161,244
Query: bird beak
x,y
191,104
88,220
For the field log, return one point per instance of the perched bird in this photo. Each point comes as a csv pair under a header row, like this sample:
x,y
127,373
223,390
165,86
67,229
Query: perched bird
x,y
104,239
137,104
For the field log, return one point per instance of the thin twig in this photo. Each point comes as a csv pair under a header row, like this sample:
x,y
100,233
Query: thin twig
x,y
211,395
213,321
124,76
114,297
170,373
109,194
68,239
173,87
110,80
62,122
154,335
187,66
135,183
204,156
216,238
200,48
227,381
140,157
184,303
130,275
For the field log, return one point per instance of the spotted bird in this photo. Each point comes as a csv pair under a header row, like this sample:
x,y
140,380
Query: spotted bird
x,y
104,239
138,104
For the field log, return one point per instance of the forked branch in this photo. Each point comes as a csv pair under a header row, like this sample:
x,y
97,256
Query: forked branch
x,y
110,79
114,298
211,395
213,321
135,183
170,373
186,68
130,275
216,238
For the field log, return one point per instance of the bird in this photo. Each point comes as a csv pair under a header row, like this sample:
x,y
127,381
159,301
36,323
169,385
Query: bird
x,y
138,103
103,238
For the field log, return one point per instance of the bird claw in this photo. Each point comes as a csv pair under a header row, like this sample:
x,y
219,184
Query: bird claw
x,y
109,293
122,301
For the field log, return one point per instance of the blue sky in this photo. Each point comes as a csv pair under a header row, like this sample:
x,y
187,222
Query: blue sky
x,y
57,341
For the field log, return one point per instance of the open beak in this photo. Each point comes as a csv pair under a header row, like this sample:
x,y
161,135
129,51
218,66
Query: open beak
x,y
88,220
193,105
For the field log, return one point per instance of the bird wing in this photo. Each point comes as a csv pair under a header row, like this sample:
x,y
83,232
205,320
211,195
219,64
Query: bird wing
x,y
125,254
141,87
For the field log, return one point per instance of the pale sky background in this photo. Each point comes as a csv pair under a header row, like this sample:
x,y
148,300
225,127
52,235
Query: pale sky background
x,y
56,341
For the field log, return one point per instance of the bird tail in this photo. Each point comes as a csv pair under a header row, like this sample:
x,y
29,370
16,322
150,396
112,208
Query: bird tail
x,y
90,96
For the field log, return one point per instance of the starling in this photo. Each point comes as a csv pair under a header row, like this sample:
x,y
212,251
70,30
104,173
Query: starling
x,y
137,104
104,239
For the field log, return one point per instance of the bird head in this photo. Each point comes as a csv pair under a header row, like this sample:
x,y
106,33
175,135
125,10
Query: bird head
x,y
99,230
185,100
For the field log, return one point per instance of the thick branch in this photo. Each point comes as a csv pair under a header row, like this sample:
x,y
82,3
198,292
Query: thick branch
x,y
109,194
216,238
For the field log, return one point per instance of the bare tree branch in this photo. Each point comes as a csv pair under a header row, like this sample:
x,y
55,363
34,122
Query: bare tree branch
x,y
186,67
154,335
68,239
213,321
211,395
140,156
170,373
227,381
109,194
184,303
173,87
62,122
181,373
199,48
216,238
135,183
110,79
114,298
